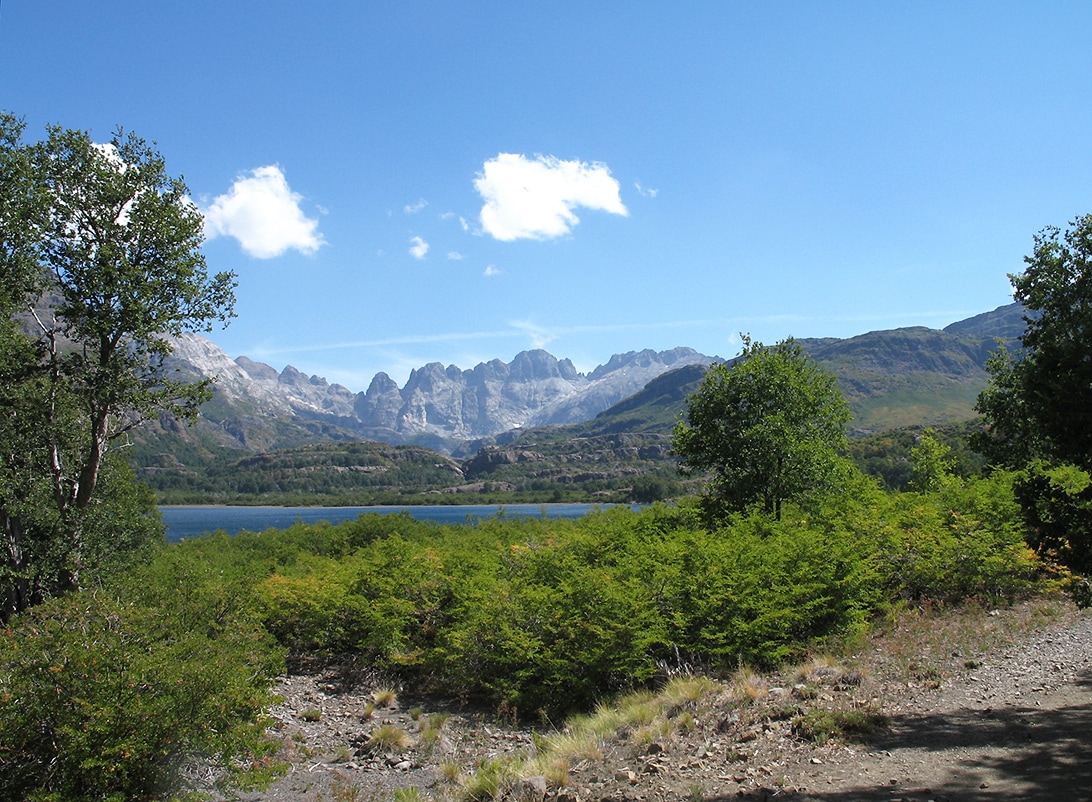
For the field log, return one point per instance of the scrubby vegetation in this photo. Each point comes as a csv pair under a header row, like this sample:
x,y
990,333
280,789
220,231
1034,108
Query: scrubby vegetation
x,y
532,617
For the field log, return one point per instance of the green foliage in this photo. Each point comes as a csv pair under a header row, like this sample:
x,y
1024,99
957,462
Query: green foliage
x,y
820,726
554,632
768,428
931,463
118,531
1039,402
1057,506
963,541
887,456
1052,389
550,615
108,694
761,590
100,265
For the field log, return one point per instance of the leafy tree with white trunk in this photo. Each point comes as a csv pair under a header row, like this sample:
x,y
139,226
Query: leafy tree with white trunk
x,y
100,267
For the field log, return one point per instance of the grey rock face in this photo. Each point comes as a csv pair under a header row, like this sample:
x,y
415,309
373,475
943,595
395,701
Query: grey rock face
x,y
445,402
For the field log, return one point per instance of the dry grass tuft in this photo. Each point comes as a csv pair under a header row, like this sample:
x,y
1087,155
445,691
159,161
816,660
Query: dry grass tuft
x,y
385,697
749,684
389,738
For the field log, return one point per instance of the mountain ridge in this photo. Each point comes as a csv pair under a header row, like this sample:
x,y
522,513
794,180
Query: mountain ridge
x,y
439,404
890,378
321,441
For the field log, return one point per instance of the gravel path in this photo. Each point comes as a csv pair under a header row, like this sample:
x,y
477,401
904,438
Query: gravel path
x,y
1018,726
964,723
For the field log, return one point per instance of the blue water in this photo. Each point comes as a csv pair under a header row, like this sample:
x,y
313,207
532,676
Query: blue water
x,y
185,522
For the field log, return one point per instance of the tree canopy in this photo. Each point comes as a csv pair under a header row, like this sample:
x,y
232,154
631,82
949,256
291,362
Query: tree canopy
x,y
768,427
1038,405
1039,402
100,265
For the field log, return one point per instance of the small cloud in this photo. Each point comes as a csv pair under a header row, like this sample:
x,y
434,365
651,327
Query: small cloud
x,y
418,248
540,337
414,208
455,256
492,270
645,192
535,198
264,215
452,216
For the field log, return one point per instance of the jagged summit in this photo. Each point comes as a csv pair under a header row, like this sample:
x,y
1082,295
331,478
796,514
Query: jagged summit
x,y
912,375
438,403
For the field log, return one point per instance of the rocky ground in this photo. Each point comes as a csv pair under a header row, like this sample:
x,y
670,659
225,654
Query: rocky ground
x,y
970,705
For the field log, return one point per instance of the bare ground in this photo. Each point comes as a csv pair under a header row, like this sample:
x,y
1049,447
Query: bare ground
x,y
975,705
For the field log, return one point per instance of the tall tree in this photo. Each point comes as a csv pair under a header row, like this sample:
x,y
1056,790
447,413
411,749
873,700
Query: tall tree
x,y
1039,401
102,249
768,427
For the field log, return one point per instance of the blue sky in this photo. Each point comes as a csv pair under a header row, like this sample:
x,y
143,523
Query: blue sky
x,y
407,182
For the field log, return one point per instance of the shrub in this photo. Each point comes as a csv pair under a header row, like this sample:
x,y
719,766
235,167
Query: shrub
x,y
759,590
960,542
1057,506
551,634
103,698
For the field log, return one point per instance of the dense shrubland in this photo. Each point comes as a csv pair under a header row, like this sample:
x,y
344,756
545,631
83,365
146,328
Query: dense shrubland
x,y
169,663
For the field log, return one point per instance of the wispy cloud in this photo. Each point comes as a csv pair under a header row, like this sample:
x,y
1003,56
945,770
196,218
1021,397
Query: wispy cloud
x,y
492,270
266,351
452,216
536,198
645,192
418,248
264,215
455,256
414,208
540,337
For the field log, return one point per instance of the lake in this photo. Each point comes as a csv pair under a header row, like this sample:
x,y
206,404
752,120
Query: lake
x,y
185,521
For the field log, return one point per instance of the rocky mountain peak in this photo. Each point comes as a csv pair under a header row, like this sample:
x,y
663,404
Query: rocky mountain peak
x,y
438,401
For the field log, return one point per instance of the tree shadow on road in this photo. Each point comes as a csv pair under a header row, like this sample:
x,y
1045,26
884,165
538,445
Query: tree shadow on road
x,y
1026,753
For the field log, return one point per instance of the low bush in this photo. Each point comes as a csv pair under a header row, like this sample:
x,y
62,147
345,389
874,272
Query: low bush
x,y
546,616
109,695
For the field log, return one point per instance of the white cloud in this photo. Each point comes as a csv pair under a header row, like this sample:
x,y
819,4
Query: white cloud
x,y
419,248
452,216
645,192
414,208
492,270
455,256
540,337
264,215
535,198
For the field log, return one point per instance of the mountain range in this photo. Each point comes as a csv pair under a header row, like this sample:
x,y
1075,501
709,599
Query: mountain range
x,y
439,406
894,378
